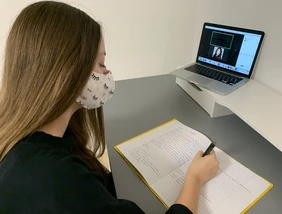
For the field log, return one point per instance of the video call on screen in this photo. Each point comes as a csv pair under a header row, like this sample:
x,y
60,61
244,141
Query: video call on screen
x,y
221,46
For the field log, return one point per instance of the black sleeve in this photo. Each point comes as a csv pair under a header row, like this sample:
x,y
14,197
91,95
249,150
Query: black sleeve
x,y
178,209
80,190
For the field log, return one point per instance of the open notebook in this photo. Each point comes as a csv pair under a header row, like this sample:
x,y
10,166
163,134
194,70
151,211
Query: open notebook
x,y
162,156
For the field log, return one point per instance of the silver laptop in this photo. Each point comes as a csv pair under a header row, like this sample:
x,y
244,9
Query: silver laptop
x,y
225,60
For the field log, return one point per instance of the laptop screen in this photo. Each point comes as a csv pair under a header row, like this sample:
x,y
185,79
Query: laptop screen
x,y
230,48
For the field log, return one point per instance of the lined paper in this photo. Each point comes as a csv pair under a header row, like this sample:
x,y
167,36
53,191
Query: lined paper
x,y
155,155
231,180
163,156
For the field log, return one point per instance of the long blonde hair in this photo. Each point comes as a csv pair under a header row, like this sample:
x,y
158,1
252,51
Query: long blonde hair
x,y
50,52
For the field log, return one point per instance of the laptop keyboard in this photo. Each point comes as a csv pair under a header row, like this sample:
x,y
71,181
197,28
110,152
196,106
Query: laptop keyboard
x,y
214,74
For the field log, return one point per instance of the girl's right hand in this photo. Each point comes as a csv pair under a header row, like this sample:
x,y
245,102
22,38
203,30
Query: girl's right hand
x,y
203,169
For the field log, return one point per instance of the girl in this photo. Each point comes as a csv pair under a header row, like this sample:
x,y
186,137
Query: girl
x,y
54,85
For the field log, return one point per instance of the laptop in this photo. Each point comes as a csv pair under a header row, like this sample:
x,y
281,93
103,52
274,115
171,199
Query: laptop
x,y
225,60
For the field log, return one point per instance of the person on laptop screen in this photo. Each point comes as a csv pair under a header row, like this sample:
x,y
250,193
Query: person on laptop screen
x,y
218,54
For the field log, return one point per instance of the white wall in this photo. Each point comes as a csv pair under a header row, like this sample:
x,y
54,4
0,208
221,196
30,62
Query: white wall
x,y
143,38
151,37
254,14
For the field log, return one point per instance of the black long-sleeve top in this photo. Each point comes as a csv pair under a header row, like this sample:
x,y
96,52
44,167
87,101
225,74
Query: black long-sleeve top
x,y
40,174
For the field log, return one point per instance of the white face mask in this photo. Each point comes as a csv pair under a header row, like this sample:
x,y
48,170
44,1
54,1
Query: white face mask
x,y
98,90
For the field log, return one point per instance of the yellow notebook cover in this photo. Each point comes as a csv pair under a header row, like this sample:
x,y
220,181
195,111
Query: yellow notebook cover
x,y
146,183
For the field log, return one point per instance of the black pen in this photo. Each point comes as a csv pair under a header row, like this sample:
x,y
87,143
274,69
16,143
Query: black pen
x,y
209,149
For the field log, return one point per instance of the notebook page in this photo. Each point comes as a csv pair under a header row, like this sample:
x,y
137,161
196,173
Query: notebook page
x,y
231,191
158,153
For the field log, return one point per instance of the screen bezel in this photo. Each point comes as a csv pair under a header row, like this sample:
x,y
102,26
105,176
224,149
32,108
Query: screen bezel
x,y
237,29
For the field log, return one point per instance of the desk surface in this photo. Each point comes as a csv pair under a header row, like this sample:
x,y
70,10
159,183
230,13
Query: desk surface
x,y
141,104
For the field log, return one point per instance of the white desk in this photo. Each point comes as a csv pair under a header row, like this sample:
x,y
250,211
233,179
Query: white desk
x,y
254,103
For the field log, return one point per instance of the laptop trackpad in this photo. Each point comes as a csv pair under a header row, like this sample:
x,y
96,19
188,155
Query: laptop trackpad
x,y
197,79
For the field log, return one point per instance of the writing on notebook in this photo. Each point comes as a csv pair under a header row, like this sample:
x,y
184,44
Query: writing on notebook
x,y
174,149
178,144
227,181
143,156
163,156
